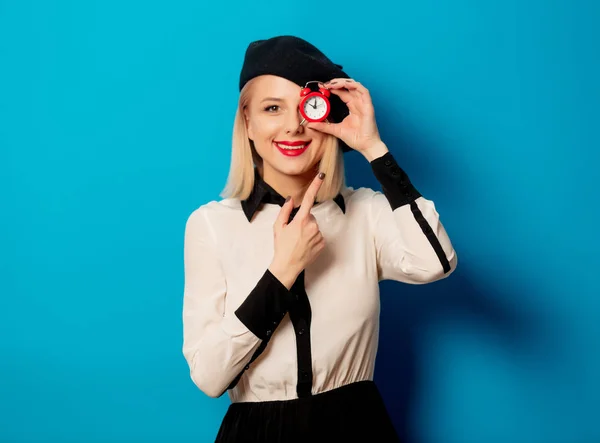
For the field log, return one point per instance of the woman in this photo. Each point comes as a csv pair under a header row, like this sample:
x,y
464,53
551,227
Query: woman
x,y
281,299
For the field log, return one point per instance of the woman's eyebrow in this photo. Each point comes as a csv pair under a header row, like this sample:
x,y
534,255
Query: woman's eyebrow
x,y
274,99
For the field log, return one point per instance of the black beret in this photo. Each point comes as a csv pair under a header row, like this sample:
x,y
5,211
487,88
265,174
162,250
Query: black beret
x,y
296,60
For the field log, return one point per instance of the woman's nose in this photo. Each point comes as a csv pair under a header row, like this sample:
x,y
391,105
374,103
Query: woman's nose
x,y
293,124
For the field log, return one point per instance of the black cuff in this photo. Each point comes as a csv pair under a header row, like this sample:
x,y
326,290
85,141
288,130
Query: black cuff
x,y
265,306
394,182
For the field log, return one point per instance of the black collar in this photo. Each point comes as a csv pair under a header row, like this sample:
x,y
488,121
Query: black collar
x,y
263,193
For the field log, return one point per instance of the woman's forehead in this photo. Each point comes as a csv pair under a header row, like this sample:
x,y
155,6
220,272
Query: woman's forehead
x,y
274,85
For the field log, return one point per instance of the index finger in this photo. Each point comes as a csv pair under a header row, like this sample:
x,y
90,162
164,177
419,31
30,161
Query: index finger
x,y
309,196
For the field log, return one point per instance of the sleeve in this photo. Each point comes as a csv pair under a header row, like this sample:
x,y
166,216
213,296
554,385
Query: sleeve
x,y
265,307
218,345
411,243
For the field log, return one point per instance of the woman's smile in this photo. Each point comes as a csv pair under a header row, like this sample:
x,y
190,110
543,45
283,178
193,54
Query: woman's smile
x,y
291,150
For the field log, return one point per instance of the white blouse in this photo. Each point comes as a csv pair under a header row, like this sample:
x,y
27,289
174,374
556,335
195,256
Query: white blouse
x,y
225,255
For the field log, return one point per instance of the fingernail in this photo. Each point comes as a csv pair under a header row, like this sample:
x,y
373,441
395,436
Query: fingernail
x,y
288,198
321,175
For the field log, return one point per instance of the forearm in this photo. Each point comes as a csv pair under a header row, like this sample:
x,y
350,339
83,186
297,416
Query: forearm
x,y
285,274
266,305
411,241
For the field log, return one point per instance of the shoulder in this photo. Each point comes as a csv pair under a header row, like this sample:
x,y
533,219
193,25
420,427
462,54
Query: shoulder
x,y
360,197
364,205
214,211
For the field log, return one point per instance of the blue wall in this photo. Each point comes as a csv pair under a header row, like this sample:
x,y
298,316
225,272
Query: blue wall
x,y
115,123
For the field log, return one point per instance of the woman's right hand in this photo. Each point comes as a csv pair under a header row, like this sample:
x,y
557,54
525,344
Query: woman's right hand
x,y
298,243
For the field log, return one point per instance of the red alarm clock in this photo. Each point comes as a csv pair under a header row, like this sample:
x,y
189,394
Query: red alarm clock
x,y
315,105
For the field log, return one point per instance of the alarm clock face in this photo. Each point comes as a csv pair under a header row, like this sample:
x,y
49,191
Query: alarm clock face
x,y
315,107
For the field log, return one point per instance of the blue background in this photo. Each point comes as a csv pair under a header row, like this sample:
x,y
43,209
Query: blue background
x,y
115,123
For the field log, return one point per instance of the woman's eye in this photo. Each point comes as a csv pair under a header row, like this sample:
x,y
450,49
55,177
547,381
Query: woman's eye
x,y
269,108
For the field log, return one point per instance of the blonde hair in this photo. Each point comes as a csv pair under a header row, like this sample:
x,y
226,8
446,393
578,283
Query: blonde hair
x,y
244,157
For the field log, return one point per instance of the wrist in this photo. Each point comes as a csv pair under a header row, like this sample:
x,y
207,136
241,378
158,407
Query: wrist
x,y
376,150
285,274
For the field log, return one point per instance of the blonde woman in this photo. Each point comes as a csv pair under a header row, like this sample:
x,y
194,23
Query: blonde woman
x,y
281,297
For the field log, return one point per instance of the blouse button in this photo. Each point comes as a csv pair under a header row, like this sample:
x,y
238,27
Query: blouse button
x,y
388,162
269,332
301,331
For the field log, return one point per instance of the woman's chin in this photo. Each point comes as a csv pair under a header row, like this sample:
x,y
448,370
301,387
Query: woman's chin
x,y
295,168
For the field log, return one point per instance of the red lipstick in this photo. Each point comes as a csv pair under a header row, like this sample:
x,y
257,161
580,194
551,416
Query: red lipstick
x,y
292,152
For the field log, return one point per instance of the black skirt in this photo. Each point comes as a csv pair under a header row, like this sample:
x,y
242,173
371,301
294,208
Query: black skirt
x,y
351,413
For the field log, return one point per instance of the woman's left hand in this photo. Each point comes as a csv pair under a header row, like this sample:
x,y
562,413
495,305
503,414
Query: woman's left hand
x,y
359,129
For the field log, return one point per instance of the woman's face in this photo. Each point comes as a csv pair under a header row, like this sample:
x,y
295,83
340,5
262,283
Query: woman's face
x,y
273,122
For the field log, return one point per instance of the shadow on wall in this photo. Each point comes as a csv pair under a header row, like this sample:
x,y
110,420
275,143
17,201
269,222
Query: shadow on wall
x,y
409,310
